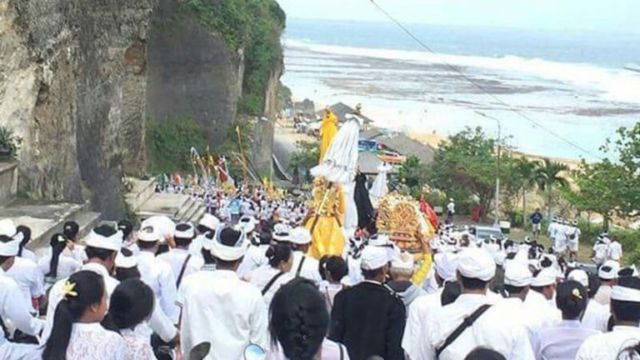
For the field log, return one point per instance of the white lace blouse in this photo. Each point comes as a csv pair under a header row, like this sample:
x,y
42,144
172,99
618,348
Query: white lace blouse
x,y
138,348
93,342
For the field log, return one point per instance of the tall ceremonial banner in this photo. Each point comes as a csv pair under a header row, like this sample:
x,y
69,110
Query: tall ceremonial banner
x,y
332,210
328,131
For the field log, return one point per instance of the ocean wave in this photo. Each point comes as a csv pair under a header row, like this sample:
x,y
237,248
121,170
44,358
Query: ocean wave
x,y
612,85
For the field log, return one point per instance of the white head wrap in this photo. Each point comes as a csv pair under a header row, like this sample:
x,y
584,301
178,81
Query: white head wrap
x,y
300,236
476,264
248,224
403,262
374,257
282,236
609,270
545,277
126,262
580,276
189,233
517,274
12,246
446,265
621,293
113,242
209,221
149,234
229,253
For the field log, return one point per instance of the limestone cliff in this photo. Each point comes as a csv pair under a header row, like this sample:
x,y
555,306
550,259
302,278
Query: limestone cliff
x,y
79,79
70,74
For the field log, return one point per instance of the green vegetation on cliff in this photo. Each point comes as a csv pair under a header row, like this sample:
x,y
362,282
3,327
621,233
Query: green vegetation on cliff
x,y
254,26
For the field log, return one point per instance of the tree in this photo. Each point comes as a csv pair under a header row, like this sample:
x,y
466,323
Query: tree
x,y
304,158
466,166
549,175
413,174
602,188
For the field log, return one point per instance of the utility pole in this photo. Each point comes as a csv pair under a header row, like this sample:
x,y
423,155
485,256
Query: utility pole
x,y
496,211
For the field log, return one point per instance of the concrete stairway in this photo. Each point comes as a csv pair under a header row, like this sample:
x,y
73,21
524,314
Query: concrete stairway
x,y
145,202
46,218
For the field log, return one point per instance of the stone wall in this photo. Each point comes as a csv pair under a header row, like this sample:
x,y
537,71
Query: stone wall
x,y
66,88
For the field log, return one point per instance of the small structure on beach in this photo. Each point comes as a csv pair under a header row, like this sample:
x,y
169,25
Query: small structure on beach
x,y
341,110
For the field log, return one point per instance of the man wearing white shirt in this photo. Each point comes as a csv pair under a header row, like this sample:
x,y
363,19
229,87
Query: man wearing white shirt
x,y
625,308
255,256
492,329
303,265
445,265
12,305
207,225
608,273
615,250
181,261
219,308
30,280
157,273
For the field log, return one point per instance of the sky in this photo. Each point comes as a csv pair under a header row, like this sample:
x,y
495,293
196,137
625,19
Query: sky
x,y
598,15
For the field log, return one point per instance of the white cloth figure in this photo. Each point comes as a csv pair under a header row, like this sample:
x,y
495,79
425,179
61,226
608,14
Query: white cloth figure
x,y
158,275
340,163
380,186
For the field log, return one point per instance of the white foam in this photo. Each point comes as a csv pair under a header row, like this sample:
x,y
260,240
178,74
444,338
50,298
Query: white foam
x,y
613,85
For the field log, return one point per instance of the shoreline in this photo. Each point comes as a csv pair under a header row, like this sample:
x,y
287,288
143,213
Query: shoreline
x,y
433,138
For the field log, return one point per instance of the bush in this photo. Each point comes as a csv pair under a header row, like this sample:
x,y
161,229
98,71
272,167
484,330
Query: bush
x,y
169,144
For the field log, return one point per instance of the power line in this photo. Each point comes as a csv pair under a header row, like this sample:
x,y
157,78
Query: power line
x,y
480,87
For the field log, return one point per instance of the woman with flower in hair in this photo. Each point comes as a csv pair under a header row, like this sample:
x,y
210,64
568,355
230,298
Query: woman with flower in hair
x,y
77,333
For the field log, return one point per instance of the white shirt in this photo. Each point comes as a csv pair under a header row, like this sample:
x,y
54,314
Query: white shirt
x,y
415,328
13,307
93,342
158,275
78,253
176,259
603,295
29,278
253,259
261,276
138,348
310,268
596,316
562,342
600,252
615,251
607,346
492,330
66,267
28,254
451,207
219,308
537,305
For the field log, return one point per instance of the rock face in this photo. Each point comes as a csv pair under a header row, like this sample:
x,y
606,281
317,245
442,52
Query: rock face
x,y
79,78
191,72
70,74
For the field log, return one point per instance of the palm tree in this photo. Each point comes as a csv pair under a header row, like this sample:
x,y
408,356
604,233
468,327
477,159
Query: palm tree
x,y
548,175
528,172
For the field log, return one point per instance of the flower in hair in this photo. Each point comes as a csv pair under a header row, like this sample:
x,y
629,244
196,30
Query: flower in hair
x,y
576,293
61,238
68,290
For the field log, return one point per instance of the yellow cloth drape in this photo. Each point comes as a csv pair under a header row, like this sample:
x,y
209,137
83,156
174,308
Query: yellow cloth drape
x,y
421,274
327,235
328,131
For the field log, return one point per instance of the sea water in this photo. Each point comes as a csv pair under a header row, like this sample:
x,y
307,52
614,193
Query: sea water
x,y
559,93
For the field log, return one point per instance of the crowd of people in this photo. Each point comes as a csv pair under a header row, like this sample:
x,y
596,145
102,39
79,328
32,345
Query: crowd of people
x,y
241,284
